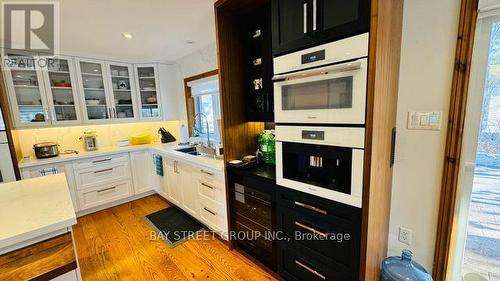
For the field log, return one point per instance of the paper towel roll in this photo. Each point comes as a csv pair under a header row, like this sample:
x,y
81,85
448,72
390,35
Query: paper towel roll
x,y
184,134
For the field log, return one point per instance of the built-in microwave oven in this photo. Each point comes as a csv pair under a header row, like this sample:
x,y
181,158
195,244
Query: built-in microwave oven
x,y
324,84
323,161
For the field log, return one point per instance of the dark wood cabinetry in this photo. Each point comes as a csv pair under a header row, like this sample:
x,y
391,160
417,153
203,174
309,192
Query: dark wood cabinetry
x,y
299,24
256,31
322,237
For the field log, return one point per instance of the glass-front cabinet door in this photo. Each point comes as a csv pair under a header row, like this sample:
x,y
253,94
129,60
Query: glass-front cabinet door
x,y
149,91
93,88
26,89
123,102
61,89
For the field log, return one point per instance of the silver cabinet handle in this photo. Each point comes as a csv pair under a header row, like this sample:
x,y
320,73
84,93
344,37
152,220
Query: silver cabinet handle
x,y
210,211
52,112
106,189
109,113
207,172
308,268
310,229
114,113
101,160
312,208
305,18
315,10
207,185
103,171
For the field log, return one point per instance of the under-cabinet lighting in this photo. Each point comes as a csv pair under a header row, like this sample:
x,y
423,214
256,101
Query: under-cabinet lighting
x,y
126,35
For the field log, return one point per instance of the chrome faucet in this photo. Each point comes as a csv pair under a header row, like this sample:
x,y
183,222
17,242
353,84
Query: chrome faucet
x,y
206,121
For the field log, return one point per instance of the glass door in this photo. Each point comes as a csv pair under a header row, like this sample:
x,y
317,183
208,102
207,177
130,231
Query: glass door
x,y
148,88
92,84
26,90
61,91
123,90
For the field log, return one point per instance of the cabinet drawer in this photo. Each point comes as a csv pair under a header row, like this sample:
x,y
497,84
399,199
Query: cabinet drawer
x,y
86,178
210,176
296,262
100,161
317,207
213,191
338,240
212,213
103,194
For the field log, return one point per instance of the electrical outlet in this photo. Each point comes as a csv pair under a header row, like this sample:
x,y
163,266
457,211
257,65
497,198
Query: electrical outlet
x,y
405,235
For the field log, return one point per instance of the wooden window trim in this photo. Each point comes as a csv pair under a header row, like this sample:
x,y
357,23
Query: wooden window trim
x,y
454,138
189,98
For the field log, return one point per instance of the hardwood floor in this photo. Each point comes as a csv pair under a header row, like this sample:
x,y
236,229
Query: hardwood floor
x,y
115,244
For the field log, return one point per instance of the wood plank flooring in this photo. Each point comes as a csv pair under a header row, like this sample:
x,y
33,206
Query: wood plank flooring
x,y
115,244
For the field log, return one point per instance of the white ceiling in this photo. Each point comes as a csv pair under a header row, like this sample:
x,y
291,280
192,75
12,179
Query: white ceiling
x,y
159,28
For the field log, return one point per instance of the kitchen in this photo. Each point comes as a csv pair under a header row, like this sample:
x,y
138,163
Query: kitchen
x,y
257,122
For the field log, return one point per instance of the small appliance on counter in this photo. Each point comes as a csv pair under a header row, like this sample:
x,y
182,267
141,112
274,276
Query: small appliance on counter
x,y
89,140
46,149
142,138
166,136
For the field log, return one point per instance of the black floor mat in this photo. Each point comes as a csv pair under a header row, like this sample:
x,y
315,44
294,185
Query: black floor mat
x,y
174,225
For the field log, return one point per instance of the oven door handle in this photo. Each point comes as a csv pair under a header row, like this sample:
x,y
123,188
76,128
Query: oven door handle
x,y
335,68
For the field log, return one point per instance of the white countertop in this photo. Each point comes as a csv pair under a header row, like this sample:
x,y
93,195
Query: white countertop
x,y
34,207
165,149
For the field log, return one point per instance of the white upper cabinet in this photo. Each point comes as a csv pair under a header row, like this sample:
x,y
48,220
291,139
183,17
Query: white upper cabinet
x,y
148,88
124,98
70,91
62,93
94,89
41,90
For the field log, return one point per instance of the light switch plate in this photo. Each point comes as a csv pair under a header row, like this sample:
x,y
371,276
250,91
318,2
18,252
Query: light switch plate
x,y
424,120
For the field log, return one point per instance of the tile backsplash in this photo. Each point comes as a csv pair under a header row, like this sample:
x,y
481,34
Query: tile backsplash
x,y
107,135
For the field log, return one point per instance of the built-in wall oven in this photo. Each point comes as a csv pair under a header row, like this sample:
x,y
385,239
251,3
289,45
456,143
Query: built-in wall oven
x,y
323,161
324,84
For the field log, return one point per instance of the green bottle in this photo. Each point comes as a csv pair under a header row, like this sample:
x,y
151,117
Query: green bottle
x,y
267,145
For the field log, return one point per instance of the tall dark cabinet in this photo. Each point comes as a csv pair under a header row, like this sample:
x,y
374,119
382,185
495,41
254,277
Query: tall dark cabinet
x,y
299,24
256,32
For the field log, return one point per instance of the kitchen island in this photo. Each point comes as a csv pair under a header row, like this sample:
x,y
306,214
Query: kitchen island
x,y
36,216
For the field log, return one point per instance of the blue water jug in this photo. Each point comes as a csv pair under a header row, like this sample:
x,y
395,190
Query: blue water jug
x,y
403,269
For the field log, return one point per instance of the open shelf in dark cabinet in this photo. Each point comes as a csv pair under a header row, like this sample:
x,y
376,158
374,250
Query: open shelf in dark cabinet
x,y
256,31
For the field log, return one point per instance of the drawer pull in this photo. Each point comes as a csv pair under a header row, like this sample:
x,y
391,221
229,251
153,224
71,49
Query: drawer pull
x,y
103,171
102,160
207,185
312,208
106,189
207,172
308,268
310,229
211,212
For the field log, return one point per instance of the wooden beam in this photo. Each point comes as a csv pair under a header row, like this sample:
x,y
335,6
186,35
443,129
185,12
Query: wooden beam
x,y
454,137
382,93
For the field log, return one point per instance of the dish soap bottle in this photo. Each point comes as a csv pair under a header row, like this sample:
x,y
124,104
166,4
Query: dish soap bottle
x,y
403,269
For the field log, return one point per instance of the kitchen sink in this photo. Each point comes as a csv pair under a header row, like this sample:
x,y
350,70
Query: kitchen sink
x,y
189,150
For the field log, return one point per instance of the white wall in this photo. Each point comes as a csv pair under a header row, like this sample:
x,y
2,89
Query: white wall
x,y
203,60
427,55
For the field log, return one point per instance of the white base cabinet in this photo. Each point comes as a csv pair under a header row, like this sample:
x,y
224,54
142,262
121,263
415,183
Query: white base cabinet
x,y
143,171
198,191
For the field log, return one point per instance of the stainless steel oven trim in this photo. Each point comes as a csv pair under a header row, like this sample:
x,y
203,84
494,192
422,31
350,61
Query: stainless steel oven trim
x,y
353,199
353,115
335,136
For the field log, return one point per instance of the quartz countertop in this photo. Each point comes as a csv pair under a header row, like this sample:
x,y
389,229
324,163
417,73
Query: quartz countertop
x,y
34,207
166,149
